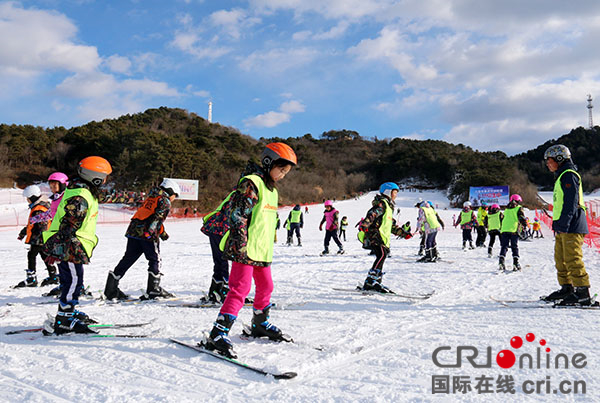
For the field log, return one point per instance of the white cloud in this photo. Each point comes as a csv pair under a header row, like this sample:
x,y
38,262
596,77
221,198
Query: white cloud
x,y
41,41
275,118
278,60
334,33
118,64
232,22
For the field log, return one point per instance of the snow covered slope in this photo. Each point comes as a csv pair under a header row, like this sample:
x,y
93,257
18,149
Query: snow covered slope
x,y
349,347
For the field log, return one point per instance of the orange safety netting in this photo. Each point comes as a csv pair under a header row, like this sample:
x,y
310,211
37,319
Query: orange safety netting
x,y
592,239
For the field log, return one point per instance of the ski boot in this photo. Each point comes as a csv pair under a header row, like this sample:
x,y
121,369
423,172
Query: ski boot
x,y
435,256
67,321
84,292
219,336
299,242
427,257
471,245
421,249
489,251
325,252
154,290
516,265
340,251
262,328
52,277
373,282
218,291
501,265
580,297
464,247
565,290
30,280
111,290
55,292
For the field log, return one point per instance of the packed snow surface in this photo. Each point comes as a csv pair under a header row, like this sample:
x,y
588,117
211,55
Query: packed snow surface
x,y
348,346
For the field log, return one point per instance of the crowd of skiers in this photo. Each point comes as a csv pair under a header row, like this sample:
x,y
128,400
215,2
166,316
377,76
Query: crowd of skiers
x,y
242,229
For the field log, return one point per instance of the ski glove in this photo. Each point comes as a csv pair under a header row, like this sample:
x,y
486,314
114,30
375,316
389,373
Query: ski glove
x,y
50,260
164,236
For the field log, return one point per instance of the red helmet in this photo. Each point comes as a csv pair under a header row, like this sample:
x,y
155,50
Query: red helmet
x,y
277,151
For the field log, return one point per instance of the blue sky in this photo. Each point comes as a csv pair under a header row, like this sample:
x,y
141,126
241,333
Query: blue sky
x,y
494,75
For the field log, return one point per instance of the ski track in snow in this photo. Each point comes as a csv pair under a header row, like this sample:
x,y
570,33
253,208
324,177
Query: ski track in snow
x,y
372,347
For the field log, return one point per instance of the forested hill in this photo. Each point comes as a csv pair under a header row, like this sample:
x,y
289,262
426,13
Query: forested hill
x,y
585,148
167,142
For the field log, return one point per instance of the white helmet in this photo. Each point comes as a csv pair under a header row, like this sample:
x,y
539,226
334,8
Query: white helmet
x,y
467,204
170,184
32,190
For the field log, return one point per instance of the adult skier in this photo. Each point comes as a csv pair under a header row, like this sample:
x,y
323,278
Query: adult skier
x,y
296,221
570,226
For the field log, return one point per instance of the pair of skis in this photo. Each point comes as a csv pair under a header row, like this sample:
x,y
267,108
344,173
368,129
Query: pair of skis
x,y
362,291
540,303
95,326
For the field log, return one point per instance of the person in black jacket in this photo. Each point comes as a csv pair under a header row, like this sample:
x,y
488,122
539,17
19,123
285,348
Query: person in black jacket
x,y
570,226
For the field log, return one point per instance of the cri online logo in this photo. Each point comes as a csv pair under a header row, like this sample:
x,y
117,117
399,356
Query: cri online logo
x,y
507,359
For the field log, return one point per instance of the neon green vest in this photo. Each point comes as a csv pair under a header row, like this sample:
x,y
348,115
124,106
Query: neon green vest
x,y
431,218
559,196
385,229
511,221
465,217
481,213
295,217
206,217
261,230
494,221
87,233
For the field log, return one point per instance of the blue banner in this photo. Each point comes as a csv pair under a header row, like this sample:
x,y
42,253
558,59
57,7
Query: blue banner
x,y
489,195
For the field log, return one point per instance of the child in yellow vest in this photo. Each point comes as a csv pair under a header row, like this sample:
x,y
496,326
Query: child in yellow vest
x,y
249,245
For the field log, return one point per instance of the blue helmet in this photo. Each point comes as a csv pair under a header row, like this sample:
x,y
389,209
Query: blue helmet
x,y
430,203
386,188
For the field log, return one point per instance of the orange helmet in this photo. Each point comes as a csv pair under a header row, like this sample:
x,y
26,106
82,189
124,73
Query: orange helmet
x,y
277,151
94,170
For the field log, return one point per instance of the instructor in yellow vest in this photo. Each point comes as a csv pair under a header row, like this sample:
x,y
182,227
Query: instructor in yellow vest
x,y
570,226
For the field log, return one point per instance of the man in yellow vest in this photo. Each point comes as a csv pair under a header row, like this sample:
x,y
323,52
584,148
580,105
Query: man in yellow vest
x,y
570,226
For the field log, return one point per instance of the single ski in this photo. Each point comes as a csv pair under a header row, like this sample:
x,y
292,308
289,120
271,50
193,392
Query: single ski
x,y
200,305
201,349
387,294
95,326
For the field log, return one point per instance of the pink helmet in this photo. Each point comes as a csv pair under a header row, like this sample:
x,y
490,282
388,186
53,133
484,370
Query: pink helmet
x,y
328,203
516,197
496,205
59,177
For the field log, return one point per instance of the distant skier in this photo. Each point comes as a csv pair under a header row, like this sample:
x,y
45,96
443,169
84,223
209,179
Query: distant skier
x,y
493,222
38,206
375,233
144,233
296,221
330,219
481,229
467,221
513,216
432,223
570,226
249,244
71,239
343,226
537,228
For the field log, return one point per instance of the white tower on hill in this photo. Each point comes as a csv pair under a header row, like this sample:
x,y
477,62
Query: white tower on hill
x,y
210,112
590,106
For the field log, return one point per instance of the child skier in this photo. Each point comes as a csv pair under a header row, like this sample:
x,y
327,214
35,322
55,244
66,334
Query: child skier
x,y
375,233
432,223
467,222
249,245
71,240
32,233
343,226
493,222
215,225
330,219
513,216
481,229
144,233
296,221
537,228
